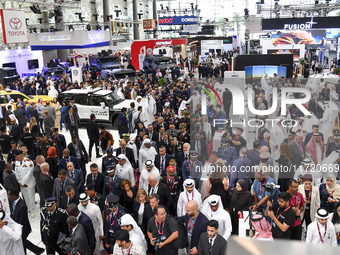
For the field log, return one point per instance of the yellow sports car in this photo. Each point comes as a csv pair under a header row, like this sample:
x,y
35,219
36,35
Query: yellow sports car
x,y
7,95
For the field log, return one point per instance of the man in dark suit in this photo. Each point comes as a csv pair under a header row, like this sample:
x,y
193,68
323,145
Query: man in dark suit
x,y
128,152
96,178
15,133
72,197
45,183
199,144
77,176
93,135
19,215
84,220
33,112
49,124
310,135
78,233
254,154
297,148
211,243
72,121
162,160
67,158
153,134
193,230
20,114
59,185
160,188
77,149
9,179
227,100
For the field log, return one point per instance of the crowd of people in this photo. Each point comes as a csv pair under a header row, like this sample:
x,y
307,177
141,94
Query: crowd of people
x,y
149,195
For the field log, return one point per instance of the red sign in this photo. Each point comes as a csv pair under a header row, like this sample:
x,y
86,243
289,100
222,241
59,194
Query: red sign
x,y
149,24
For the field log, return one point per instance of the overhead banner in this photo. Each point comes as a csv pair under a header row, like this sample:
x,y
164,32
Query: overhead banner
x,y
69,40
178,20
149,24
301,23
13,26
313,37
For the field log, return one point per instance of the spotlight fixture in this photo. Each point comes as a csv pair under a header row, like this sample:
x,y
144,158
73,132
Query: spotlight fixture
x,y
99,28
51,15
79,16
88,27
52,30
130,24
70,28
35,9
107,28
57,11
174,11
34,30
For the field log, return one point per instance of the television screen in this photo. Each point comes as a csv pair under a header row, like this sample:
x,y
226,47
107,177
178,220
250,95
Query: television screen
x,y
12,64
33,64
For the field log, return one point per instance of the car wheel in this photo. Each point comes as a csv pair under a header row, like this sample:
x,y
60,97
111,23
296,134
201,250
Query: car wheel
x,y
115,122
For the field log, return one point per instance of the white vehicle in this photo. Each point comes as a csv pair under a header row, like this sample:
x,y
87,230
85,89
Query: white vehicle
x,y
105,104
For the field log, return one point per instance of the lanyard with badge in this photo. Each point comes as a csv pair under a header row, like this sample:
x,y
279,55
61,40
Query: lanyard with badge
x,y
163,238
114,220
277,217
192,198
128,250
310,192
324,235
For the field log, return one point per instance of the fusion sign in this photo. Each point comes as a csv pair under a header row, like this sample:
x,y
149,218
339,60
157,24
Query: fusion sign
x,y
178,20
13,26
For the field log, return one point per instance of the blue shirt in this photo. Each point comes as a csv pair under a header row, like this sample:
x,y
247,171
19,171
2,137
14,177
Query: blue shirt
x,y
264,193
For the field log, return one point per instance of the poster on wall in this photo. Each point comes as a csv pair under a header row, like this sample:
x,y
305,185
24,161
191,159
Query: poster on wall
x,y
295,52
313,37
13,26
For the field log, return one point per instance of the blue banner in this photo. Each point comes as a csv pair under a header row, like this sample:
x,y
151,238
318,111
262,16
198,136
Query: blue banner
x,y
178,20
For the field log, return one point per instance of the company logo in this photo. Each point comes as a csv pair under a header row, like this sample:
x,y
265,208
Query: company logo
x,y
75,72
166,20
186,20
15,23
307,25
42,38
19,56
164,43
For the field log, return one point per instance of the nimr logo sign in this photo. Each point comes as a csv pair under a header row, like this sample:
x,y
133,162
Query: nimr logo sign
x,y
307,25
178,20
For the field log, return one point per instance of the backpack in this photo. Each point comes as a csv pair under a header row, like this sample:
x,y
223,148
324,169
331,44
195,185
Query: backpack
x,y
136,121
111,137
129,115
182,241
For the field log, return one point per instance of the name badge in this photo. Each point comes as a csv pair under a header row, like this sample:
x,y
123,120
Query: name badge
x,y
163,238
189,234
274,224
111,231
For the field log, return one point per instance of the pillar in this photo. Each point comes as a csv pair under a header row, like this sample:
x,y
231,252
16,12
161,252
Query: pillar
x,y
154,15
106,9
135,18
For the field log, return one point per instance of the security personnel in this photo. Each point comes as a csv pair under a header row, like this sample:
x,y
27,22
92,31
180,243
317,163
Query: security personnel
x,y
174,120
11,153
166,114
174,148
332,146
108,160
44,145
111,217
95,198
186,120
35,144
183,136
52,221
227,152
190,168
109,182
174,183
59,141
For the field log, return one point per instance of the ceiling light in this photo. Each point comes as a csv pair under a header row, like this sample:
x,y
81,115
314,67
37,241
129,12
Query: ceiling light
x,y
88,27
70,28
52,30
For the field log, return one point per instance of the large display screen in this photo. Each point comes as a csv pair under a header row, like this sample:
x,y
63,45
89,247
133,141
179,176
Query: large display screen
x,y
332,33
11,64
312,37
256,72
295,52
33,64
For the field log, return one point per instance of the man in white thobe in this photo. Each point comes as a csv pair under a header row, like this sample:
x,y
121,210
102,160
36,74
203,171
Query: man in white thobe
x,y
213,210
135,233
310,120
189,193
124,169
322,230
307,167
24,175
315,149
277,135
146,152
10,236
327,122
150,169
93,211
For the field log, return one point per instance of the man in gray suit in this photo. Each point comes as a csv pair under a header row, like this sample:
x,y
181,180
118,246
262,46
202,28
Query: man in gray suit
x,y
50,110
297,148
211,243
59,185
49,124
78,233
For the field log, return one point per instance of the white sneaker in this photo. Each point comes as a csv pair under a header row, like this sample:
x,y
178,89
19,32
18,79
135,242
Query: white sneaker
x,y
32,214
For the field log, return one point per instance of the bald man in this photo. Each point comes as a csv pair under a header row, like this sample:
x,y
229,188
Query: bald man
x,y
196,224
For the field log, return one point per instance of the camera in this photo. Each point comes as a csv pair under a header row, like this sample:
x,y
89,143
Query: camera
x,y
68,246
270,187
157,241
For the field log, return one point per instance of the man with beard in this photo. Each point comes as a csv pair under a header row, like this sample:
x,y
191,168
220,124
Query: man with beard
x,y
146,153
316,149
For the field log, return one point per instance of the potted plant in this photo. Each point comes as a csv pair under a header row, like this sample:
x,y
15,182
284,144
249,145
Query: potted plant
x,y
161,81
302,62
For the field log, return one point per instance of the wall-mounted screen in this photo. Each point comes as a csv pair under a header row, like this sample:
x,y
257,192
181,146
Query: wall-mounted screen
x,y
12,64
33,64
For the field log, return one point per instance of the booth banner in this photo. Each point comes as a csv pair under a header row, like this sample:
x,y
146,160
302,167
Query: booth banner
x,y
13,26
76,74
69,40
192,29
301,23
178,20
149,24
312,37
